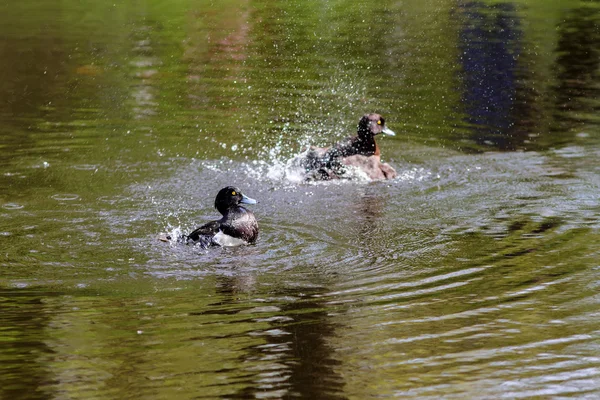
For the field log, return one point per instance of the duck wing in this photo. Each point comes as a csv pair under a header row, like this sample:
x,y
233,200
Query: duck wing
x,y
205,231
345,148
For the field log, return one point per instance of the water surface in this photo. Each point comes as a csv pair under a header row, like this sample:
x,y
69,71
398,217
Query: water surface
x,y
473,274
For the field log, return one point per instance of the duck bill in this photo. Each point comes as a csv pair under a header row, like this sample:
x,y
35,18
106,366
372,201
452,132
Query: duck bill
x,y
247,200
388,132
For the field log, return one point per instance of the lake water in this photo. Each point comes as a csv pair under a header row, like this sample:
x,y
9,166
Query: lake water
x,y
473,274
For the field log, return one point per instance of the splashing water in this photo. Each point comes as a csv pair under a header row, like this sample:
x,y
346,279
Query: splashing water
x,y
290,170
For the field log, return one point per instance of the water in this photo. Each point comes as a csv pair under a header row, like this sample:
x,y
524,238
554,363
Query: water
x,y
473,274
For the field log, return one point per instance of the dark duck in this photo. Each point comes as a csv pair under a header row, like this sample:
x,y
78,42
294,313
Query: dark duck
x,y
360,151
238,225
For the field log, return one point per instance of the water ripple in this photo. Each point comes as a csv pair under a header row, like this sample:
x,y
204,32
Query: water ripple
x,y
12,206
65,197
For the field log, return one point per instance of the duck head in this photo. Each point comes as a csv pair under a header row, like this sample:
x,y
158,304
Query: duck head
x,y
373,124
230,197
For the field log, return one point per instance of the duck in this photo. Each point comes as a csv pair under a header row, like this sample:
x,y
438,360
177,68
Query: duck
x,y
360,151
238,226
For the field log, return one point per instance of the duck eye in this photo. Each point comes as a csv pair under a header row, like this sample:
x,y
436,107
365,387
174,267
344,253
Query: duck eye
x,y
233,193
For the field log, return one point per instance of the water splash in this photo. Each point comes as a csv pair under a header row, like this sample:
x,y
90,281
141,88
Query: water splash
x,y
280,168
277,165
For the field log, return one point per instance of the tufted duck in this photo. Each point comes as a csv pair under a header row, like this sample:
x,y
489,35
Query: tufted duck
x,y
360,151
238,225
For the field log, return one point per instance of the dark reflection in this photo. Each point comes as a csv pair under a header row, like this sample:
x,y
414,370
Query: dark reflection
x,y
497,105
295,359
369,210
578,63
370,206
23,366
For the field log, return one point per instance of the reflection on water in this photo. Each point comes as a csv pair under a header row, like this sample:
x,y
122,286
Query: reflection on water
x,y
294,358
472,274
577,62
490,52
143,92
503,108
25,316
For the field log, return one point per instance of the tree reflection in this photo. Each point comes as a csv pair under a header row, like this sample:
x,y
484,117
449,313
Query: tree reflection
x,y
295,359
23,369
494,96
578,63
